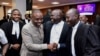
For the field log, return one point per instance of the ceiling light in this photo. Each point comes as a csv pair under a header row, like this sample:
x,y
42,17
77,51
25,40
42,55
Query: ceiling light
x,y
55,3
35,7
4,3
29,12
41,0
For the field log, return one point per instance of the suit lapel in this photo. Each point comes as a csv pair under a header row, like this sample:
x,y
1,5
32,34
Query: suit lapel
x,y
20,27
63,33
11,27
49,27
79,32
79,37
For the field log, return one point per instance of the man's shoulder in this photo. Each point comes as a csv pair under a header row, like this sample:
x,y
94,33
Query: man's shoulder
x,y
6,25
49,22
21,23
27,26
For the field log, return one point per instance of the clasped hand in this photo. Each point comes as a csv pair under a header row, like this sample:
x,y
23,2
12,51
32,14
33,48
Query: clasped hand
x,y
52,46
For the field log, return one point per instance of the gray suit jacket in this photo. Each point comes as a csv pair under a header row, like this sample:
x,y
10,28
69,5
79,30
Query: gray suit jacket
x,y
32,44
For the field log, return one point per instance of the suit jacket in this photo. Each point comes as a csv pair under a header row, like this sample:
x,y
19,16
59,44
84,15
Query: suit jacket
x,y
32,44
3,21
12,39
86,42
46,18
97,20
62,50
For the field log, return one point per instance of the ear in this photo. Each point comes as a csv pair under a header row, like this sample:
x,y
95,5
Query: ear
x,y
77,16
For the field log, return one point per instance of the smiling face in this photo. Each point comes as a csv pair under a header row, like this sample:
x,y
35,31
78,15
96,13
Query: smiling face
x,y
16,15
56,16
72,17
37,19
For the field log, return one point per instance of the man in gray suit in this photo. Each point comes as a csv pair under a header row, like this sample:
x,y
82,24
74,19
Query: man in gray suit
x,y
32,35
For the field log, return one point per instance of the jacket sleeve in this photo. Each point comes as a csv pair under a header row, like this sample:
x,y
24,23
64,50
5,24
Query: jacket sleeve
x,y
28,42
92,47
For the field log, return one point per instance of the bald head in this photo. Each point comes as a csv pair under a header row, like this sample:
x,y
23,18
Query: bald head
x,y
72,16
73,11
36,13
56,15
57,11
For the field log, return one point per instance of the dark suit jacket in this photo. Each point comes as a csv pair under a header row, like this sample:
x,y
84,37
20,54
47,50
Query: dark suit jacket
x,y
12,39
86,42
97,20
3,21
46,18
62,50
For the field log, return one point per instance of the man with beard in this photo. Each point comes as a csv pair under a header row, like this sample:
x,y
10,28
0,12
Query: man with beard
x,y
83,40
55,31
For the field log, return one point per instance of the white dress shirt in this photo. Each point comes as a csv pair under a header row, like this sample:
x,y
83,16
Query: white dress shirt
x,y
3,38
16,29
72,38
56,32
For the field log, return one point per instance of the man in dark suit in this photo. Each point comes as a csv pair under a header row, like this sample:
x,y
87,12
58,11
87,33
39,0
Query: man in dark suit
x,y
55,31
27,19
82,40
46,17
97,20
12,30
5,19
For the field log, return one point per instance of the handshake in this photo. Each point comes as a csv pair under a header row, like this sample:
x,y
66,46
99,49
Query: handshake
x,y
52,46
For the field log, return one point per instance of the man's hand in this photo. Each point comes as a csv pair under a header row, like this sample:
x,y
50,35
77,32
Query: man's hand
x,y
55,45
52,46
16,46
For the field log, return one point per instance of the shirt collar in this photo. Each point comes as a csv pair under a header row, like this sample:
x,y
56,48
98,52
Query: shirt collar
x,y
60,23
15,22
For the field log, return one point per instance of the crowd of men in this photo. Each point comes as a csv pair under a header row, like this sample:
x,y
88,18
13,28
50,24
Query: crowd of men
x,y
56,37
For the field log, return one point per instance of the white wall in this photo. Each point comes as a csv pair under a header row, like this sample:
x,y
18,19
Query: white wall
x,y
1,12
21,5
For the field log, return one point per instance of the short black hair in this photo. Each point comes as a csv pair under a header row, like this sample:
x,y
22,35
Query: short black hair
x,y
15,10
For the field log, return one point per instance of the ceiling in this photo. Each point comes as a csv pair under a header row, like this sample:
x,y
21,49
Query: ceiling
x,y
47,3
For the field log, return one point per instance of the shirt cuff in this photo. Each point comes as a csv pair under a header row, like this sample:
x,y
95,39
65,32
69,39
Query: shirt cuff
x,y
44,46
10,46
58,46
